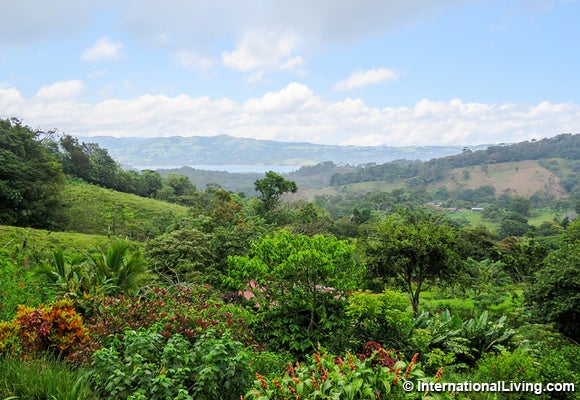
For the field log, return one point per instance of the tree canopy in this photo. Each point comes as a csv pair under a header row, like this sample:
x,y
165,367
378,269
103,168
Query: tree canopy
x,y
30,178
414,248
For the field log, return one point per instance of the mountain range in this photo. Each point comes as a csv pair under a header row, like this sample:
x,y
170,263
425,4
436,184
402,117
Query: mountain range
x,y
177,151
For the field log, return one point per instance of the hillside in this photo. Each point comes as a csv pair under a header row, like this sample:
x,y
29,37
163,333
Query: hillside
x,y
521,178
175,152
93,210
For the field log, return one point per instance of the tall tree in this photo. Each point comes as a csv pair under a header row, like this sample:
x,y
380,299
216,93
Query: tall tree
x,y
415,248
30,178
554,295
272,187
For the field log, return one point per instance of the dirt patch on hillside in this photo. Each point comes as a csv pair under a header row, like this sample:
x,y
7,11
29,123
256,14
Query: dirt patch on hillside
x,y
523,178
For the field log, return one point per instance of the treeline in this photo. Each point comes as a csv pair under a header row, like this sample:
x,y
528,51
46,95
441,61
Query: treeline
x,y
35,164
417,173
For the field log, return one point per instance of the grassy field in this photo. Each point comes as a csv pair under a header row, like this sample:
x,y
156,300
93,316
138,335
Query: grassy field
x,y
94,210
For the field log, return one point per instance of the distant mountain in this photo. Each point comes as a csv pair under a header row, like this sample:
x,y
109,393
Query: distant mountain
x,y
171,152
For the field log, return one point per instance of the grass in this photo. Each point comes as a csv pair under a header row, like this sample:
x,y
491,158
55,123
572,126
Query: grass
x,y
42,378
93,210
17,240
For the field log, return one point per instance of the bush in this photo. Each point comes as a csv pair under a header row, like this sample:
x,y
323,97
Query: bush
x,y
188,311
327,376
146,365
561,365
517,367
56,328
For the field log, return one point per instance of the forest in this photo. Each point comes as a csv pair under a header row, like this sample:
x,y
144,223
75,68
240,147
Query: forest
x,y
123,284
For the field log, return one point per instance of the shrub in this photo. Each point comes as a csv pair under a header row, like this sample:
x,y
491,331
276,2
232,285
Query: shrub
x,y
382,316
222,370
327,376
178,310
56,328
517,367
146,365
561,365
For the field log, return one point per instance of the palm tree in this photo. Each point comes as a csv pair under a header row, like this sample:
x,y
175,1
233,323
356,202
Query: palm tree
x,y
67,275
119,270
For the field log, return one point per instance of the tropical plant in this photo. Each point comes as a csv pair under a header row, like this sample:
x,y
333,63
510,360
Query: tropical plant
x,y
380,317
271,188
325,376
116,269
55,328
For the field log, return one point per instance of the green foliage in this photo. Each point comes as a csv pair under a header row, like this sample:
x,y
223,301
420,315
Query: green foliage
x,y
522,257
517,367
324,376
413,247
297,282
554,295
380,317
109,271
42,377
468,340
181,255
561,365
146,365
272,187
222,369
18,285
487,281
30,178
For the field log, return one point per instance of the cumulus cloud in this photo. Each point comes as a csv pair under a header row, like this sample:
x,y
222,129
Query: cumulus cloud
x,y
294,113
66,90
103,50
362,79
260,49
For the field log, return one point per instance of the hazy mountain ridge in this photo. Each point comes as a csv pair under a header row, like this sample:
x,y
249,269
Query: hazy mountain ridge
x,y
177,151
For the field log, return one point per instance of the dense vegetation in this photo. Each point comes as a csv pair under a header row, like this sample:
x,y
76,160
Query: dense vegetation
x,y
167,291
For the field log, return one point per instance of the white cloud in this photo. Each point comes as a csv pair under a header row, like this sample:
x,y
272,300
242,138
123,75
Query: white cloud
x,y
294,113
103,50
66,90
362,79
260,49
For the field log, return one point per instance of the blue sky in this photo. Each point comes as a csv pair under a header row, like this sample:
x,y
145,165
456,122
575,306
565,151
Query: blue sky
x,y
358,72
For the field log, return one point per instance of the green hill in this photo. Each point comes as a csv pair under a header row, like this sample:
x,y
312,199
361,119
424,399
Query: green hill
x,y
93,210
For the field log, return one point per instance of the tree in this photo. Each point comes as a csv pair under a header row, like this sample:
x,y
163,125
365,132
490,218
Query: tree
x,y
297,281
413,247
272,187
30,178
554,295
181,254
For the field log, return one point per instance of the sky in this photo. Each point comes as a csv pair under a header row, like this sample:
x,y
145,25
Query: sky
x,y
347,72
